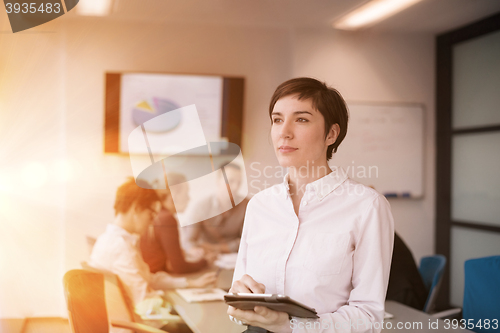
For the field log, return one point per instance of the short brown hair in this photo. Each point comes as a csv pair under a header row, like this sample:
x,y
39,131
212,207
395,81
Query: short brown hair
x,y
326,100
130,193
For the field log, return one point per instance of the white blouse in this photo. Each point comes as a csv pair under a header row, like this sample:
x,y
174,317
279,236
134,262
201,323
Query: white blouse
x,y
118,251
335,256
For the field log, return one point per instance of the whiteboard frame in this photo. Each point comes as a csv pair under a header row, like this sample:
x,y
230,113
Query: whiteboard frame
x,y
419,194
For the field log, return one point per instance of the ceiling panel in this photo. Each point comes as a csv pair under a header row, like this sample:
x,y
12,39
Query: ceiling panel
x,y
431,16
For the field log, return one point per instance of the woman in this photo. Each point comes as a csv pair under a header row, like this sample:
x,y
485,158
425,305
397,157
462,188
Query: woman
x,y
335,235
116,251
160,245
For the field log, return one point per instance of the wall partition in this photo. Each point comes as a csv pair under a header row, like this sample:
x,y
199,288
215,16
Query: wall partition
x,y
468,150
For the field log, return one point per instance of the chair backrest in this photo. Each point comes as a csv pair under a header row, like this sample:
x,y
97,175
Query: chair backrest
x,y
482,292
431,269
118,304
84,292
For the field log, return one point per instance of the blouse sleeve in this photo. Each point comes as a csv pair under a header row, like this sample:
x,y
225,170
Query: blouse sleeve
x,y
167,233
133,272
241,261
364,311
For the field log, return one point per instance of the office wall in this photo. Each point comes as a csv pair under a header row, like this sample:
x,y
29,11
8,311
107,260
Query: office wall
x,y
381,67
32,188
57,184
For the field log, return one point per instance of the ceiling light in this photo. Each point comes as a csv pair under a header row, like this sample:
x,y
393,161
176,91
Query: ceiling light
x,y
371,13
94,7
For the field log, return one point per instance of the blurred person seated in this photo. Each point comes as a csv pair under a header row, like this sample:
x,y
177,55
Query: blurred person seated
x,y
160,245
221,233
405,283
117,250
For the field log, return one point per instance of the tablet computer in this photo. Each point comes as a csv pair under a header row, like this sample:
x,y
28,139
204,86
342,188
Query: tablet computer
x,y
247,301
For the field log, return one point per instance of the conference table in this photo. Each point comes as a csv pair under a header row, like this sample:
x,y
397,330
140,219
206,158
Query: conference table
x,y
410,320
207,317
211,317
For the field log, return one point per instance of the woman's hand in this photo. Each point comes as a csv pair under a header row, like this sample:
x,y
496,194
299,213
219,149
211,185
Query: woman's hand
x,y
247,285
195,254
260,316
263,317
219,248
203,281
210,257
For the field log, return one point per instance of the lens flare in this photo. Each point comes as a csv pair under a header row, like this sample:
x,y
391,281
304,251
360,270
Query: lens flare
x,y
34,175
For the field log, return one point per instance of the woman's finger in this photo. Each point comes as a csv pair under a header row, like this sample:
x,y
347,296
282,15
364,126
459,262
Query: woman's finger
x,y
239,287
252,285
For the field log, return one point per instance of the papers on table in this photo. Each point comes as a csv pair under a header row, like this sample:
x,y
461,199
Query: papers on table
x,y
202,294
155,312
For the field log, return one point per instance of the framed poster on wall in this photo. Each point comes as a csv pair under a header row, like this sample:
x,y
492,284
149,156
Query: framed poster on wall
x,y
135,98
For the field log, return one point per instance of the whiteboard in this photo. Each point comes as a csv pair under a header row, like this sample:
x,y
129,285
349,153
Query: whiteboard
x,y
384,148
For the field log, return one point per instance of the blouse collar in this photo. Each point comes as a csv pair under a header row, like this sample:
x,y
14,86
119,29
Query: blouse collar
x,y
323,186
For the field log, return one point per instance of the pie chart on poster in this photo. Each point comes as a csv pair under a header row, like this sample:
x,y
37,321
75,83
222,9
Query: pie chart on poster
x,y
148,109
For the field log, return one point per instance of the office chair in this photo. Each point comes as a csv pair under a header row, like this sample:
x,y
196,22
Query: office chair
x,y
84,292
119,304
431,269
482,292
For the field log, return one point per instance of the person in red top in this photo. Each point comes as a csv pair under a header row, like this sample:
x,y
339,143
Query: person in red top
x,y
160,245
